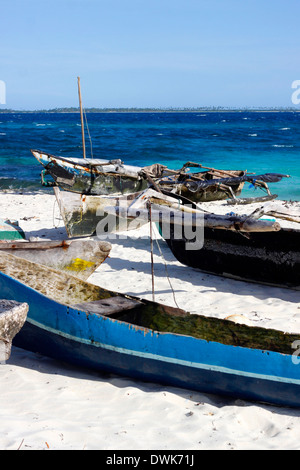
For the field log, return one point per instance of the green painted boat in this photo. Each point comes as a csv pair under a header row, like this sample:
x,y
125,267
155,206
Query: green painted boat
x,y
10,230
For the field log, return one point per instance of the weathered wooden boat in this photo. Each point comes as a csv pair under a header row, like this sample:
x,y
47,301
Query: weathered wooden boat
x,y
245,247
263,256
203,186
86,325
214,185
12,318
78,257
271,258
91,176
85,215
10,230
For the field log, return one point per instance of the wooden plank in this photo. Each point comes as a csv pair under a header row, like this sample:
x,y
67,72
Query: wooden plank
x,y
36,245
251,200
81,117
176,217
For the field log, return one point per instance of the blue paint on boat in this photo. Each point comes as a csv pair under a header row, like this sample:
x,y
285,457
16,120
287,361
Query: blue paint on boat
x,y
97,342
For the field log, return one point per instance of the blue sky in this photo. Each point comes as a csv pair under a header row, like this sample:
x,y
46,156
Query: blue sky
x,y
149,53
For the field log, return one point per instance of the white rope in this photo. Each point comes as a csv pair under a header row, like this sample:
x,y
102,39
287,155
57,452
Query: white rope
x,y
87,126
169,281
53,215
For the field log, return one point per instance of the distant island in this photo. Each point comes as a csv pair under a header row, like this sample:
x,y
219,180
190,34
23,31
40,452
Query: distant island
x,y
212,109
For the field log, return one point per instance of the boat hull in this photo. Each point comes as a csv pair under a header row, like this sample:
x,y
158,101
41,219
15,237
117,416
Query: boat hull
x,y
78,257
172,371
225,358
88,177
85,215
215,192
83,176
264,257
10,230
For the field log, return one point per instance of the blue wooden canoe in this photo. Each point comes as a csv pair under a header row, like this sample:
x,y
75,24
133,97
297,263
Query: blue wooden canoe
x,y
88,326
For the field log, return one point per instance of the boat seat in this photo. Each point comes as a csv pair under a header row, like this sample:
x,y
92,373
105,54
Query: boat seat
x,y
108,306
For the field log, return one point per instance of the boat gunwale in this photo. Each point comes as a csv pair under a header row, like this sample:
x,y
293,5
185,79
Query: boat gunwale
x,y
166,311
89,167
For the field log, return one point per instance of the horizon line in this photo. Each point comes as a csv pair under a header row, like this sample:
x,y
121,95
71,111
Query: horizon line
x,y
73,109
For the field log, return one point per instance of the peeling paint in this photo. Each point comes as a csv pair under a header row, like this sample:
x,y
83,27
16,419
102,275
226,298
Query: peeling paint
x,y
78,264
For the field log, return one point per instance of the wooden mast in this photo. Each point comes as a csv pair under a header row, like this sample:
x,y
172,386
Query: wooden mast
x,y
81,116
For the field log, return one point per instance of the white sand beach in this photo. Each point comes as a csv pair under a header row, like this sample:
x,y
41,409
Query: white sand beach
x,y
50,405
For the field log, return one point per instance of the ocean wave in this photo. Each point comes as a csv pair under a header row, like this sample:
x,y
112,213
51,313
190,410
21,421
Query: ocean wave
x,y
279,145
213,144
2,133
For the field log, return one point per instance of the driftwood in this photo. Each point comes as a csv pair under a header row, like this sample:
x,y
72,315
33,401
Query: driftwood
x,y
276,211
167,209
280,212
12,318
213,170
250,200
180,217
265,178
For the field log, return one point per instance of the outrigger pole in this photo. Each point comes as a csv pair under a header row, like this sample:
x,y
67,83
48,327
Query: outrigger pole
x,y
81,116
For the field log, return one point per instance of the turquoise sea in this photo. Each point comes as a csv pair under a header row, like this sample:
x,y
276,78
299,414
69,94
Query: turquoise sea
x,y
260,142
